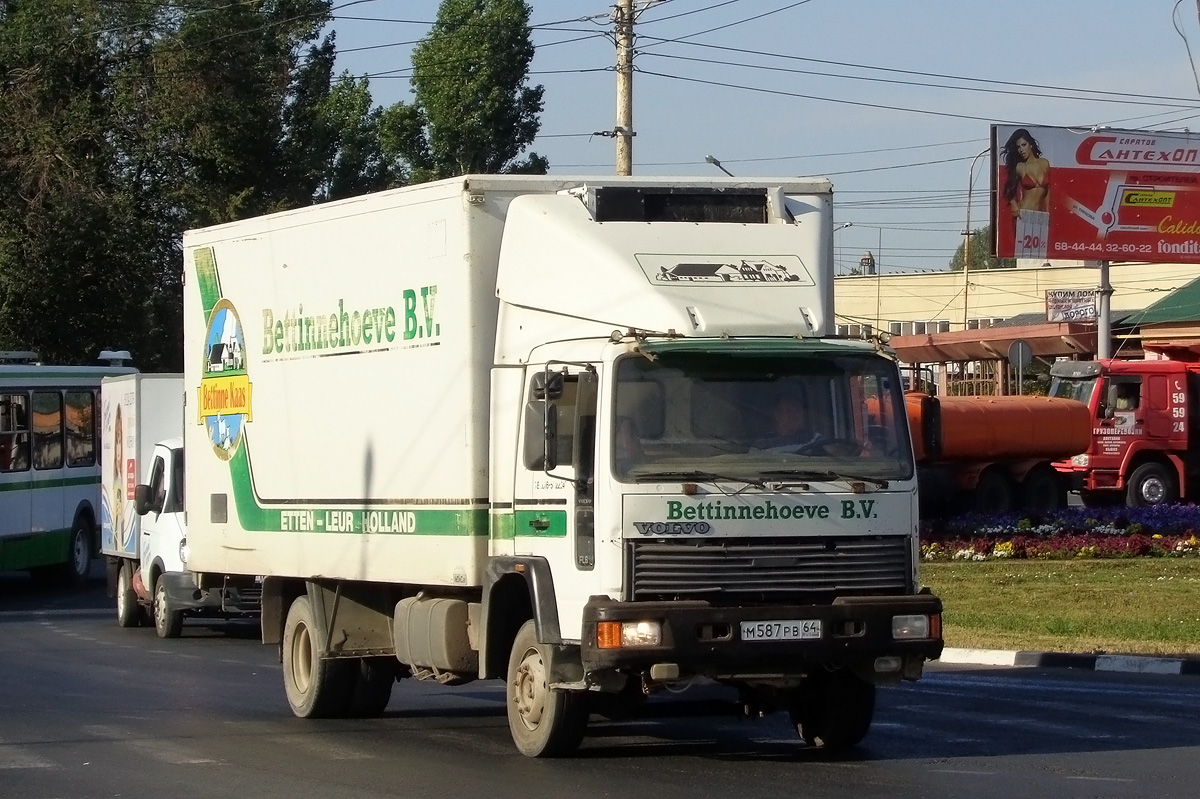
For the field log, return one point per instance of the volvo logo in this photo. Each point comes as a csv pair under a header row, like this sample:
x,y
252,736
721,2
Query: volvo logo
x,y
673,528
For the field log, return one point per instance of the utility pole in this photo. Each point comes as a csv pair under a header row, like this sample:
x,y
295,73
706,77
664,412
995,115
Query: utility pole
x,y
624,129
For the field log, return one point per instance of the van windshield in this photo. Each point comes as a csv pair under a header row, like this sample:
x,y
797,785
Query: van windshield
x,y
759,418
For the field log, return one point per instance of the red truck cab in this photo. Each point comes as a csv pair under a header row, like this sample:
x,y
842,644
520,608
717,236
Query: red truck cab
x,y
1143,450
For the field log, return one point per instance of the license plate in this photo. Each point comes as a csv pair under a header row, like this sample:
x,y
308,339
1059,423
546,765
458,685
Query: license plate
x,y
786,630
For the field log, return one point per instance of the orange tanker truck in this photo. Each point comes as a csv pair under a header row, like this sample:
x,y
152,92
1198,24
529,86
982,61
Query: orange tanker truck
x,y
994,454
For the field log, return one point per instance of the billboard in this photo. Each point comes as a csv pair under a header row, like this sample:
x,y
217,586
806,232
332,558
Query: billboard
x,y
1071,305
1082,194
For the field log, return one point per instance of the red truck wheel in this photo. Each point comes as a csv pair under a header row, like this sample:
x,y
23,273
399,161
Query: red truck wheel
x,y
1151,484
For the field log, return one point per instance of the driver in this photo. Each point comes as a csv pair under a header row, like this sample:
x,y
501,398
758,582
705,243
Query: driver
x,y
790,427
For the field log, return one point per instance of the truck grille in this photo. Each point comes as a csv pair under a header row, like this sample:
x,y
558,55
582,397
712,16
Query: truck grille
x,y
761,570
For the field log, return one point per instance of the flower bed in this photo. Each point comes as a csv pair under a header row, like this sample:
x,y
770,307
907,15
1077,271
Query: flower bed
x,y
1117,532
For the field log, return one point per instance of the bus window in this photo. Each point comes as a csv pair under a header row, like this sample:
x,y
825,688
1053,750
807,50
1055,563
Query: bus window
x,y
81,428
14,432
47,430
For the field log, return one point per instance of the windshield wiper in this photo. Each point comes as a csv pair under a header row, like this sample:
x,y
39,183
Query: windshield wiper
x,y
699,476
814,475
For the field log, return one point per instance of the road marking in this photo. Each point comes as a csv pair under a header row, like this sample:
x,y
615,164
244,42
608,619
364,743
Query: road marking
x,y
172,754
963,771
1101,779
322,747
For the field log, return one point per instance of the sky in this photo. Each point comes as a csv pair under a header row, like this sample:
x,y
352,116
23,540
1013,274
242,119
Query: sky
x,y
893,101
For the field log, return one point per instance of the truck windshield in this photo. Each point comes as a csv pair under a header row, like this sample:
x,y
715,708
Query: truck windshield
x,y
759,418
1074,388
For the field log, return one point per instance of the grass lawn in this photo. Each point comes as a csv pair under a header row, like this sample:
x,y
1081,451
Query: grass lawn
x,y
1145,606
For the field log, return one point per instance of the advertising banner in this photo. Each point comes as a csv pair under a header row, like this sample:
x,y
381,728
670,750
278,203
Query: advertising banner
x,y
1081,194
1071,305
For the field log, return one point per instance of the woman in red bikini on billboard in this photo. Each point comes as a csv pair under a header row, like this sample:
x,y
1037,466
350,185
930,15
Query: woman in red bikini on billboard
x,y
1027,187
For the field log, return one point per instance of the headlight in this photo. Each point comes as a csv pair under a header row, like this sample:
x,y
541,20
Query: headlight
x,y
618,634
1080,460
915,626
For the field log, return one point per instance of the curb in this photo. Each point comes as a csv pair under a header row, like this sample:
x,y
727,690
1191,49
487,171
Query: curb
x,y
1135,664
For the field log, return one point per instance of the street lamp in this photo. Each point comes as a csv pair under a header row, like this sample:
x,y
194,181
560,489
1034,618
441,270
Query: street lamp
x,y
717,164
967,240
842,226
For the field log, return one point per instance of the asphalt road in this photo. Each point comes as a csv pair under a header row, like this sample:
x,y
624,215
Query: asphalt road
x,y
90,710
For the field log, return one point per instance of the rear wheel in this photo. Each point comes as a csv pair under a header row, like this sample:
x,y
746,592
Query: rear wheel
x,y
833,709
168,623
544,722
77,568
129,612
372,690
1151,484
993,493
1042,490
315,687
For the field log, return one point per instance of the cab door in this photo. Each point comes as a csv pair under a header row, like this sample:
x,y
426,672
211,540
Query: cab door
x,y
554,487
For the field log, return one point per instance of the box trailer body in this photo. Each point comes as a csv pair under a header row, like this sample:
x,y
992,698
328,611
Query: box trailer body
x,y
407,411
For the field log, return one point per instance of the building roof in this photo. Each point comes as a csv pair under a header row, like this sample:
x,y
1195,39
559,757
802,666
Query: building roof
x,y
1181,305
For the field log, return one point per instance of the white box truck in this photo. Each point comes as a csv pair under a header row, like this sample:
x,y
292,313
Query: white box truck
x,y
547,430
143,527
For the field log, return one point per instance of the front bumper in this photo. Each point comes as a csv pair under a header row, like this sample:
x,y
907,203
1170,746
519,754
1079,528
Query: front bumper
x,y
232,597
705,640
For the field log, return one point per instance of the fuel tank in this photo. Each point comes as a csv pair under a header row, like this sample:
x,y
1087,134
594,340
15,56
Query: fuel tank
x,y
994,428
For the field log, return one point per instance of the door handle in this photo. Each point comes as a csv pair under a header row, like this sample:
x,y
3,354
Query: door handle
x,y
539,524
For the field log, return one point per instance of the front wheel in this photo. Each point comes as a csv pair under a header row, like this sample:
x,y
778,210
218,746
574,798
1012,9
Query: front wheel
x,y
1151,484
168,623
1042,490
833,709
543,722
79,557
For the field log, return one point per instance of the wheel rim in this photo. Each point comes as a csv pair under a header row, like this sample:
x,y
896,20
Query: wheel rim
x,y
80,554
122,587
160,607
1153,491
529,689
302,658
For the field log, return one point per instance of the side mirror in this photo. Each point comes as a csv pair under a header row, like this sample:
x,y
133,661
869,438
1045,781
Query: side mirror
x,y
547,385
541,436
143,500
1108,408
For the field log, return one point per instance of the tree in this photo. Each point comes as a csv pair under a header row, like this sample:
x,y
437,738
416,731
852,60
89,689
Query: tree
x,y
981,253
473,111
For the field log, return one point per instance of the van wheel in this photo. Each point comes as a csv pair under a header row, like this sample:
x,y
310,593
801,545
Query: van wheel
x,y
543,722
993,494
168,623
316,688
1151,484
129,612
833,709
1042,490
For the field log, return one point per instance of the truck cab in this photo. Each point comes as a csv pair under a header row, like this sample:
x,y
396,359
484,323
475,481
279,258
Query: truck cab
x,y
1143,449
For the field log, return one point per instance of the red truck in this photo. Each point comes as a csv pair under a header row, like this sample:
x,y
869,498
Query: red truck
x,y
994,454
1142,448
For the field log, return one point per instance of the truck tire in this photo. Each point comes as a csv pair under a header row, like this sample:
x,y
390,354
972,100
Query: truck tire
x,y
316,688
993,493
129,612
1042,490
168,623
373,681
543,722
1151,484
833,709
